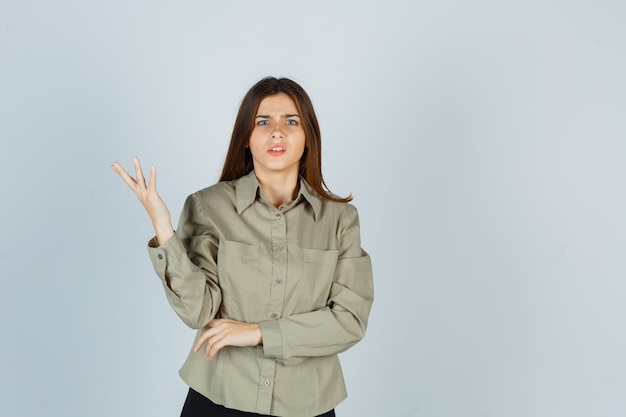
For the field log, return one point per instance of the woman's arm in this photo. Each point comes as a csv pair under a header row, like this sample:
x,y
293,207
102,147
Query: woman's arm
x,y
343,321
187,266
185,262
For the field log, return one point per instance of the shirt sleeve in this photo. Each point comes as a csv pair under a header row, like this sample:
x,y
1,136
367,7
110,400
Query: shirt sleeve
x,y
339,325
186,264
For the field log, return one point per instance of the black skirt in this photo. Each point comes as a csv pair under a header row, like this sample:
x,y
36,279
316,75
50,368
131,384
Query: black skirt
x,y
197,405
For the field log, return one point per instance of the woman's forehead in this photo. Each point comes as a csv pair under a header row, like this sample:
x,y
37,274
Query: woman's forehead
x,y
279,103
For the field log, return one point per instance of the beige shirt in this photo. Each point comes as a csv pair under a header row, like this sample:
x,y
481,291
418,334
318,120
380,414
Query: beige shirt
x,y
297,270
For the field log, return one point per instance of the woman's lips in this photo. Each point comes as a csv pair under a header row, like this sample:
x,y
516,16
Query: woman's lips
x,y
276,149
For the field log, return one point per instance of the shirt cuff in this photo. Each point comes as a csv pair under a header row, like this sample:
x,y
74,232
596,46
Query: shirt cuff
x,y
173,249
272,339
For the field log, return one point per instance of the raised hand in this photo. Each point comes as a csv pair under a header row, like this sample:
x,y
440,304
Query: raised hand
x,y
226,332
149,198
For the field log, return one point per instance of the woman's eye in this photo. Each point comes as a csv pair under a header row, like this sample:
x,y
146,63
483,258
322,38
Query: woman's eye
x,y
263,122
292,122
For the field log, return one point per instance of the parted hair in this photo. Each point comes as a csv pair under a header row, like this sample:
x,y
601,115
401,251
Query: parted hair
x,y
239,159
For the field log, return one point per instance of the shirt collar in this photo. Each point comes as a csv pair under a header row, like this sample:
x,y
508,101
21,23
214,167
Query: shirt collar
x,y
314,200
247,187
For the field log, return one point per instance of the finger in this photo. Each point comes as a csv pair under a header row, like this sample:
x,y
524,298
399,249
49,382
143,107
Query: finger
x,y
140,179
214,345
198,345
200,342
130,181
152,181
206,335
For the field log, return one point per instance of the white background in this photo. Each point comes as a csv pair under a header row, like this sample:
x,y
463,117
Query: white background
x,y
483,141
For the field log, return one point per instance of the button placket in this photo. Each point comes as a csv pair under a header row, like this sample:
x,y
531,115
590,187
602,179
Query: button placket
x,y
266,388
279,263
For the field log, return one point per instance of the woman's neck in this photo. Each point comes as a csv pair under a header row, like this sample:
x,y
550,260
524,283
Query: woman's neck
x,y
278,188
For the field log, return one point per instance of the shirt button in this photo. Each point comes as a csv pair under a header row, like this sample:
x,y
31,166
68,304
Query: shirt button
x,y
160,256
273,315
279,249
266,382
279,281
277,217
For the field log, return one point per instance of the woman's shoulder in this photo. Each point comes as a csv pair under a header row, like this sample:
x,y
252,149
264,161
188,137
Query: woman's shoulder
x,y
219,188
342,208
216,194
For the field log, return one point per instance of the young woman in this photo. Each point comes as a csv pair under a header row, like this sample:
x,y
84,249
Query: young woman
x,y
266,264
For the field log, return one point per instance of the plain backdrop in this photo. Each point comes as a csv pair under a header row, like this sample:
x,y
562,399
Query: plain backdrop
x,y
483,142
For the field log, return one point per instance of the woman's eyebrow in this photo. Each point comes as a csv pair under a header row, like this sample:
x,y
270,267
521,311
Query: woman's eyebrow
x,y
267,116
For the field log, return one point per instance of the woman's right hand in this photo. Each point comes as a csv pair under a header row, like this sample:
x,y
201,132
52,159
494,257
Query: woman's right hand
x,y
149,198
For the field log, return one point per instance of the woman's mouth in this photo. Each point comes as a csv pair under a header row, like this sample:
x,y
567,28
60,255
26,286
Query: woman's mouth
x,y
276,150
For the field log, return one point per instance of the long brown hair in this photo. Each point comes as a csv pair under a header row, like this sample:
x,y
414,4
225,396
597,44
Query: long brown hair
x,y
239,159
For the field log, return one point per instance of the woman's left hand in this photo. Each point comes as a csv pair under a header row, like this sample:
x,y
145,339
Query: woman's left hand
x,y
226,332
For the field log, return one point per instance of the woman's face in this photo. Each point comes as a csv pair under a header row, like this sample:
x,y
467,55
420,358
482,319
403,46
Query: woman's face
x,y
277,141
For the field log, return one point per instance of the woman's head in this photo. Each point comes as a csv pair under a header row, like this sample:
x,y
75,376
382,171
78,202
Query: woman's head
x,y
239,160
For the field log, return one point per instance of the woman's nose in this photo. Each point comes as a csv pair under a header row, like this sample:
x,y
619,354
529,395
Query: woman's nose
x,y
278,133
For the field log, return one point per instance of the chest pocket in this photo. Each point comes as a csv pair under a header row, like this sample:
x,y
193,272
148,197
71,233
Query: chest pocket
x,y
238,269
319,270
